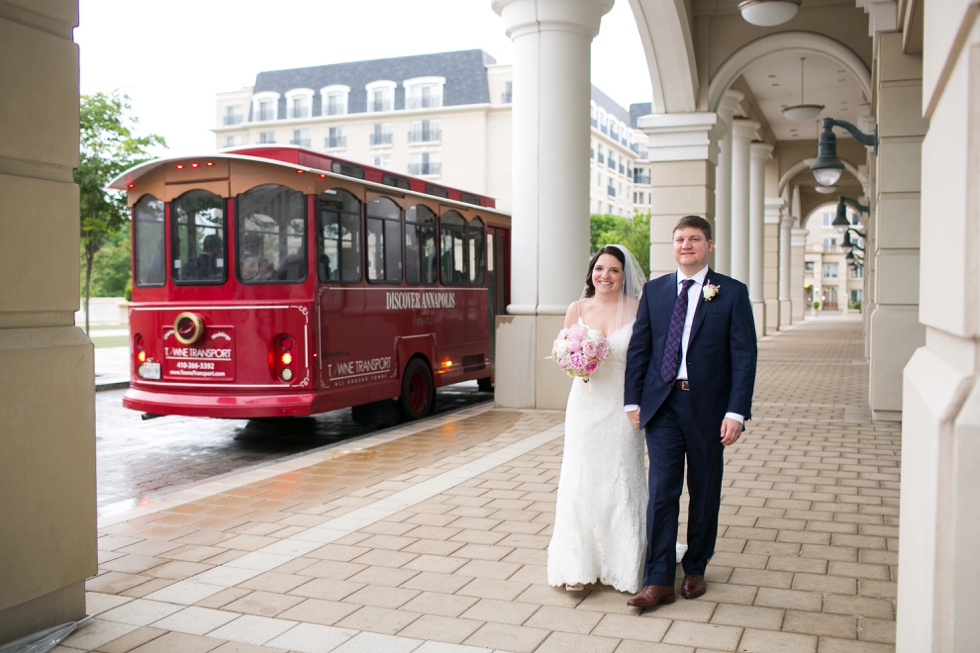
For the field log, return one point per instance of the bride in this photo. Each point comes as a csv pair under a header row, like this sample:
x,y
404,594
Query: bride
x,y
600,517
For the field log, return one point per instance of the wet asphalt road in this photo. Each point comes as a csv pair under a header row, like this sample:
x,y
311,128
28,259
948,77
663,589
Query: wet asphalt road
x,y
136,458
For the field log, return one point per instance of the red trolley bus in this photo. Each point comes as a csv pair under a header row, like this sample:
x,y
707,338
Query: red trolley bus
x,y
273,282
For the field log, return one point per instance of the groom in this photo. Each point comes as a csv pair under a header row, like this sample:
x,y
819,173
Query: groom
x,y
690,371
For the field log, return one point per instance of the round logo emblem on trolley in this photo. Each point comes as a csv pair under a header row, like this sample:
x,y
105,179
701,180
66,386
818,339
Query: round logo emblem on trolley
x,y
188,328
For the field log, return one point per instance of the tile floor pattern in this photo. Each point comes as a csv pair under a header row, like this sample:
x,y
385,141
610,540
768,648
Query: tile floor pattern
x,y
436,542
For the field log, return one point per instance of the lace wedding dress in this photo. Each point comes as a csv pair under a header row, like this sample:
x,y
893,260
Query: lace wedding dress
x,y
600,518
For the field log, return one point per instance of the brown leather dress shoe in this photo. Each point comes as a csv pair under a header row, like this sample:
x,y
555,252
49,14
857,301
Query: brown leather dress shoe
x,y
652,595
693,586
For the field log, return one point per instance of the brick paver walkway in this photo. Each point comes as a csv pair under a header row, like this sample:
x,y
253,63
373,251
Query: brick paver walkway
x,y
432,539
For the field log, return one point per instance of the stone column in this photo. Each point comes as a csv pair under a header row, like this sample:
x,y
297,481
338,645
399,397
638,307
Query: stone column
x,y
895,328
758,155
798,236
723,182
683,151
550,200
785,269
47,385
742,133
771,218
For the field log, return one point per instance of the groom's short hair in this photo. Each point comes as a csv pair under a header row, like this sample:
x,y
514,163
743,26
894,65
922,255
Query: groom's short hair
x,y
695,221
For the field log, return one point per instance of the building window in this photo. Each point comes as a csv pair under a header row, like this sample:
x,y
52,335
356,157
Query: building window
x,y
830,270
595,115
602,157
299,103
381,96
592,149
424,163
424,131
612,160
382,161
265,106
827,219
267,137
233,141
334,100
381,134
856,295
301,137
508,95
424,92
336,138
857,272
233,114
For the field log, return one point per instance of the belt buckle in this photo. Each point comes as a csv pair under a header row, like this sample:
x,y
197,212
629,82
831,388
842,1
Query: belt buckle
x,y
681,384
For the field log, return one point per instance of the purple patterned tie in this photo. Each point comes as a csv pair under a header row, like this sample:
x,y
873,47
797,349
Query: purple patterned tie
x,y
672,349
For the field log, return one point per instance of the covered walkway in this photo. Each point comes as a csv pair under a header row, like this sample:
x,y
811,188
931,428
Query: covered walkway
x,y
433,539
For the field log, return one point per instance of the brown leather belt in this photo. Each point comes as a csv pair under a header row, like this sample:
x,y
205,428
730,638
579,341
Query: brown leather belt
x,y
681,384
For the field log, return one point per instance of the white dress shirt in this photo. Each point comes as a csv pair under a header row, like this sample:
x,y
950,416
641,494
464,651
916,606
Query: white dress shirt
x,y
693,294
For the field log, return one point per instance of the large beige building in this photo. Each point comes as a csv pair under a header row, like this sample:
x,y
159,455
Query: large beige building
x,y
831,279
443,116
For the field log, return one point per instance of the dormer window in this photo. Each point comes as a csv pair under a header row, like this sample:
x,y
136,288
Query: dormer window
x,y
334,99
380,96
299,103
603,123
265,106
595,115
423,92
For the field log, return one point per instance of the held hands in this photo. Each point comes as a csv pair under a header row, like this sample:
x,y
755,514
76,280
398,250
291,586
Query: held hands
x,y
634,416
730,430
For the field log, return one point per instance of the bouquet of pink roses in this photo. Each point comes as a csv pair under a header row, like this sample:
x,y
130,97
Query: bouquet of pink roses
x,y
579,350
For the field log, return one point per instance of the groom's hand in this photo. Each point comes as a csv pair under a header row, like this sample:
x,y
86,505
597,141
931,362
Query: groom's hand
x,y
730,430
634,416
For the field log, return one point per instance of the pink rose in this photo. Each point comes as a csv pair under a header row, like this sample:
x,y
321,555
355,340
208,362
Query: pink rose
x,y
575,346
590,349
591,366
576,362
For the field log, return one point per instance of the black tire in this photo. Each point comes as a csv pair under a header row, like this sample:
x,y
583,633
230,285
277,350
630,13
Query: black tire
x,y
485,384
418,392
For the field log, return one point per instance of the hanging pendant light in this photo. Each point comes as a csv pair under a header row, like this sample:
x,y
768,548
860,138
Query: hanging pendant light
x,y
767,13
803,112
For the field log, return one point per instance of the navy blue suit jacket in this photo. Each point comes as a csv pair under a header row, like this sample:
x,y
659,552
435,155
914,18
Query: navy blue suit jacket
x,y
721,353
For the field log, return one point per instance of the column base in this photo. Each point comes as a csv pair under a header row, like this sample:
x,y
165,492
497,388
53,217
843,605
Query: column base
x,y
58,607
759,315
772,315
524,376
785,313
895,334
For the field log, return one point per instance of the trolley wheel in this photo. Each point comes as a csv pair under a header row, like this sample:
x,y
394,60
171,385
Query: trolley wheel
x,y
418,393
485,384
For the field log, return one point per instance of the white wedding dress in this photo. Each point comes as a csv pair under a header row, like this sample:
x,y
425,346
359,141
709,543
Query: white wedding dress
x,y
600,518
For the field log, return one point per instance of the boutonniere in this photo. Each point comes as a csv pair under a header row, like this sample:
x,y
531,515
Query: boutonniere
x,y
709,291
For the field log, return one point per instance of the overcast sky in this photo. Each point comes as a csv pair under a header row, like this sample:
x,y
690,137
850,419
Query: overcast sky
x,y
172,56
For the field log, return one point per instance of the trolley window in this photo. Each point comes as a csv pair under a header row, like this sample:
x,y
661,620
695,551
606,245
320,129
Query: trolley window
x,y
271,235
476,237
340,237
384,241
469,198
420,246
149,243
452,248
347,169
397,182
198,246
438,191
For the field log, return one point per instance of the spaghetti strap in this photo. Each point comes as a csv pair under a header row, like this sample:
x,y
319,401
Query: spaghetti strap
x,y
578,310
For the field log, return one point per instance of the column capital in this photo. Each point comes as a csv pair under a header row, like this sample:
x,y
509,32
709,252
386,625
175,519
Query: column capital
x,y
760,150
786,221
531,16
744,128
773,210
726,108
799,237
681,136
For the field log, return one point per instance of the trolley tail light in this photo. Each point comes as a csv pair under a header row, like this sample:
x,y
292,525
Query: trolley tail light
x,y
283,359
146,367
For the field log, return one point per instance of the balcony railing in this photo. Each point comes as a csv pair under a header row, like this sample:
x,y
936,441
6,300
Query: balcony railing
x,y
383,138
299,112
425,102
602,158
303,142
611,191
235,119
381,105
612,163
641,179
595,123
266,114
336,109
507,97
808,275
424,135
334,141
432,168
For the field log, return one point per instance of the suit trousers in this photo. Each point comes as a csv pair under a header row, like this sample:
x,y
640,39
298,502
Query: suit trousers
x,y
671,434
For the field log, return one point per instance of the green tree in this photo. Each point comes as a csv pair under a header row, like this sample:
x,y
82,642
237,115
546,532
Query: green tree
x,y
108,147
111,267
633,233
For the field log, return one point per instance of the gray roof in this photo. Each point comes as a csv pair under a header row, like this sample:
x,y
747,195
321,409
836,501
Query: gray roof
x,y
609,104
465,72
638,110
